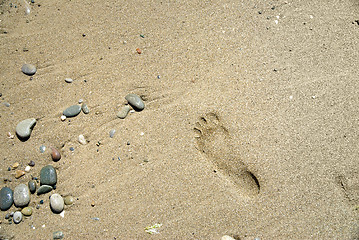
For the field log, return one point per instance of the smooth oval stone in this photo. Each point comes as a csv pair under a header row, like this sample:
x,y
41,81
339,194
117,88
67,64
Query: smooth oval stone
x,y
17,217
28,69
48,175
27,211
84,108
55,154
72,111
24,128
21,195
44,189
135,101
123,112
6,198
32,186
58,235
56,203
69,200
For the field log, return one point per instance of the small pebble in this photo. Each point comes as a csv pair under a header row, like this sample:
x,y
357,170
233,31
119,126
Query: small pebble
x,y
17,217
27,211
42,148
56,203
82,139
72,149
6,198
85,109
92,203
69,200
139,51
28,69
15,165
135,101
27,168
48,175
63,118
24,128
226,237
68,80
31,163
44,189
123,112
19,173
7,216
41,202
32,186
81,100
55,154
58,235
112,133
72,111
7,104
10,135
21,195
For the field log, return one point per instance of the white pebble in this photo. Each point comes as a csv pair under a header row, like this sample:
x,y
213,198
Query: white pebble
x,y
63,118
27,169
82,139
68,80
226,237
56,203
80,101
112,133
17,217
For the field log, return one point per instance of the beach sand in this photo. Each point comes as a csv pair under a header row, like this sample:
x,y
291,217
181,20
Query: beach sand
x,y
250,127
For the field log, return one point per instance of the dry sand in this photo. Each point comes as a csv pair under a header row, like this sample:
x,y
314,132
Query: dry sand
x,y
274,94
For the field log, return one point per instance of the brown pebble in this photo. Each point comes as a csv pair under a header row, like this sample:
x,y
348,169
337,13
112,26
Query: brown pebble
x,y
31,163
15,165
139,51
55,154
93,203
19,173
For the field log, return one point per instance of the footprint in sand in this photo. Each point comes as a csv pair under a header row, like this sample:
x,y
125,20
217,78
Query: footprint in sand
x,y
214,141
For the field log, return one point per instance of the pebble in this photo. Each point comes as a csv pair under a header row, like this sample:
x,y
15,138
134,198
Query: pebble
x,y
24,128
226,237
27,211
58,235
21,195
7,104
123,112
55,154
44,189
135,101
69,200
48,175
56,203
15,165
17,217
32,186
72,111
82,139
27,168
28,69
81,100
6,198
63,118
85,109
68,80
112,133
42,148
31,163
19,173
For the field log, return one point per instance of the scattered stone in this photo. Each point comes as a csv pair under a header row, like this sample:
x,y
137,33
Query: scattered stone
x,y
10,135
28,69
24,128
135,101
81,101
27,211
112,133
63,118
82,139
6,198
56,203
68,80
85,109
44,189
6,104
27,168
42,148
72,149
21,195
17,217
7,216
123,112
92,203
15,165
72,111
32,186
31,163
58,235
48,175
226,237
69,200
19,173
55,154
41,201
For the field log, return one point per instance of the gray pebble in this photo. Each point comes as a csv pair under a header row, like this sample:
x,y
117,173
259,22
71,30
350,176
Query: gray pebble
x,y
112,133
68,80
24,128
58,235
135,101
42,148
123,112
84,108
21,195
17,217
72,111
48,175
81,100
56,203
44,189
32,186
7,104
6,198
28,69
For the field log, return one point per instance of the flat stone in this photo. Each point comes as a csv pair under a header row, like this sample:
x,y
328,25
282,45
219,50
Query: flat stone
x,y
24,128
82,139
17,217
72,111
84,108
21,195
68,80
56,203
123,112
135,101
32,186
44,189
19,173
6,198
28,69
58,235
48,175
69,200
27,211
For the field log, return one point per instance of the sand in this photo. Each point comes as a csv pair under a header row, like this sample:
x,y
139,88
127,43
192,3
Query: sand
x,y
251,130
